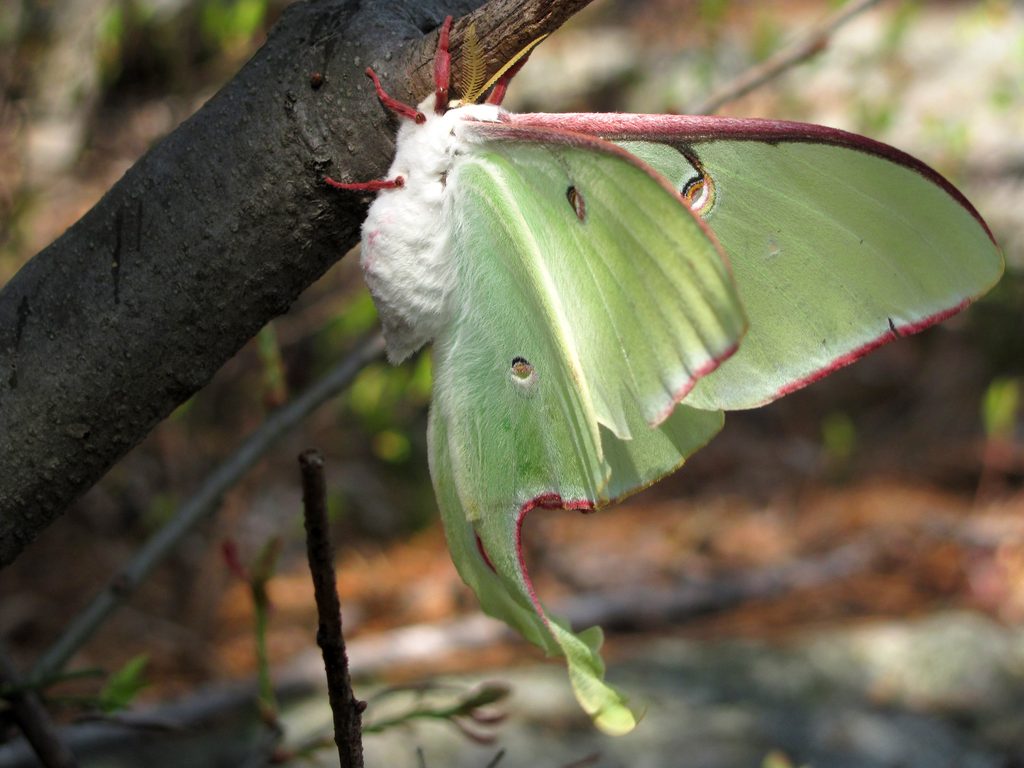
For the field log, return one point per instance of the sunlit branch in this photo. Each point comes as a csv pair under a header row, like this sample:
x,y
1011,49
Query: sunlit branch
x,y
809,46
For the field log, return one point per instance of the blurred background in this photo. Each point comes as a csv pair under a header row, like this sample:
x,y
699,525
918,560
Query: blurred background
x,y
838,579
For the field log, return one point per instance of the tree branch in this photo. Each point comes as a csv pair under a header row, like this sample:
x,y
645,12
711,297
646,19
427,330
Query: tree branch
x,y
503,28
807,47
212,233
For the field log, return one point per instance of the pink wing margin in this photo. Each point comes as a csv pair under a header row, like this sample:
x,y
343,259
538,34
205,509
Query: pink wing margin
x,y
698,129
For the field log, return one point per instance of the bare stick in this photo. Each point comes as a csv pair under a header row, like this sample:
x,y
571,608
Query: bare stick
x,y
809,46
203,503
33,719
346,708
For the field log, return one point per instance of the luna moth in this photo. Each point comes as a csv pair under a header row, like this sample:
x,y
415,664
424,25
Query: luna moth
x,y
599,288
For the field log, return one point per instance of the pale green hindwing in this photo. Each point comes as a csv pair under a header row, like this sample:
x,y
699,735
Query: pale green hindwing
x,y
508,596
834,250
555,346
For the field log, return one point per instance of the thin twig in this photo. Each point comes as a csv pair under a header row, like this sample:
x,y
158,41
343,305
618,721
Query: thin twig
x,y
346,708
809,46
33,719
202,504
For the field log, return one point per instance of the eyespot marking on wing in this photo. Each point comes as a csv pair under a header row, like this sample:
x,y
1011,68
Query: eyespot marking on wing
x,y
699,193
579,205
523,374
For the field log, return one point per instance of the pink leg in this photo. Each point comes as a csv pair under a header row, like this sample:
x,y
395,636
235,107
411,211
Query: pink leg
x,y
400,109
497,94
366,186
442,68
442,73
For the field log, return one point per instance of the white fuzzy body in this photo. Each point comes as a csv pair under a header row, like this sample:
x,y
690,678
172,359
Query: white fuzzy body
x,y
406,257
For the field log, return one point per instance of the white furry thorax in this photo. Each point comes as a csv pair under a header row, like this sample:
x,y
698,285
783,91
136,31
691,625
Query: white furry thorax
x,y
406,257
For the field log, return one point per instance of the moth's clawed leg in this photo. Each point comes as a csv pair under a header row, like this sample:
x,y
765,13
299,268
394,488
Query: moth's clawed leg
x,y
400,109
367,186
497,94
442,68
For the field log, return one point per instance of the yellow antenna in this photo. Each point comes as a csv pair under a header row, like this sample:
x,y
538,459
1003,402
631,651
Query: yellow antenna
x,y
470,96
471,73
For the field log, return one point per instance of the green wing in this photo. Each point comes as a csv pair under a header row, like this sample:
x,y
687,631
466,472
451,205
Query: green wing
x,y
587,305
838,245
588,299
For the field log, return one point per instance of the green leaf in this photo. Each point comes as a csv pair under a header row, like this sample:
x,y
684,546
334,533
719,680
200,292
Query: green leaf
x,y
999,408
230,22
839,437
391,446
124,685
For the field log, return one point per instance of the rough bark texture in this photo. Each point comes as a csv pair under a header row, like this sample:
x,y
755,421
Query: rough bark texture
x,y
212,233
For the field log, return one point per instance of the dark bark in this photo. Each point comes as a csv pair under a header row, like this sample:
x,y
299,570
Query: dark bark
x,y
212,233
